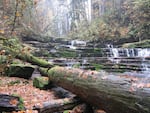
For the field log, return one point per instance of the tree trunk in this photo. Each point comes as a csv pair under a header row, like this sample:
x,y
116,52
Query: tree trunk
x,y
9,103
35,60
59,105
114,94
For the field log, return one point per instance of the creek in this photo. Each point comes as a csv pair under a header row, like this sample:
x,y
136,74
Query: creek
x,y
131,61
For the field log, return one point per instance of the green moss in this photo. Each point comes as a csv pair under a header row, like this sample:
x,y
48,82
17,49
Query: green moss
x,y
34,60
39,61
21,103
67,111
76,65
98,66
66,53
40,82
97,49
20,70
3,59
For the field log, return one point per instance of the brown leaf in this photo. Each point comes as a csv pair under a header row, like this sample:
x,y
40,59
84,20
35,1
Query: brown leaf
x,y
13,102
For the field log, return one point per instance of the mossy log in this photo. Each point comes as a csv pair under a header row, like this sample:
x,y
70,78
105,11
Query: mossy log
x,y
114,94
35,60
27,57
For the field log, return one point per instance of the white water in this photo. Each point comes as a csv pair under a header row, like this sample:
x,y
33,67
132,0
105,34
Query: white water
x,y
117,54
128,52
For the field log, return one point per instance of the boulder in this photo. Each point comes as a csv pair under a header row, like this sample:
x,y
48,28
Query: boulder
x,y
40,82
20,70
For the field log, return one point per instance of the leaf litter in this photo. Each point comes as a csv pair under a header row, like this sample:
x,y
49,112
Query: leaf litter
x,y
24,88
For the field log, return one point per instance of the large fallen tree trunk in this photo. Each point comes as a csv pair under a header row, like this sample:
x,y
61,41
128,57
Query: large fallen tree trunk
x,y
114,94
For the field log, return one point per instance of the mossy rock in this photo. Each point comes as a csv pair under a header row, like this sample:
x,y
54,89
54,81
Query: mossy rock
x,y
40,82
66,53
20,70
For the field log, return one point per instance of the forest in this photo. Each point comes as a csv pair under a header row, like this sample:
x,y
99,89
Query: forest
x,y
74,56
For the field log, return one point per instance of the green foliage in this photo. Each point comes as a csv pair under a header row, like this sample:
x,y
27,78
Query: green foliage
x,y
12,42
131,20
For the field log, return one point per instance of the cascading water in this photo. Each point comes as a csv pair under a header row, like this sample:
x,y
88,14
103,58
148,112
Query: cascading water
x,y
118,55
143,53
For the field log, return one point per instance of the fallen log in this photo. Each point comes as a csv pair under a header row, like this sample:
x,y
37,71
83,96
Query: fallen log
x,y
27,57
9,103
35,60
58,105
114,94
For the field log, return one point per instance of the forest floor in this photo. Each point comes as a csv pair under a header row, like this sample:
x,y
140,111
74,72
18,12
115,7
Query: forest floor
x,y
24,88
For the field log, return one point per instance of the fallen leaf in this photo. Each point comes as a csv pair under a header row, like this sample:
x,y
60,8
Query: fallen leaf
x,y
2,31
13,102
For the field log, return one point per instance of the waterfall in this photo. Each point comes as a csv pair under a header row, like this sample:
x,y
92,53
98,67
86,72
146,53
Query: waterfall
x,y
128,52
116,55
115,52
144,52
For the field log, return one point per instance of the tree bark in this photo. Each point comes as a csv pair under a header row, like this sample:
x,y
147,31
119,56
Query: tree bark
x,y
114,94
9,103
58,105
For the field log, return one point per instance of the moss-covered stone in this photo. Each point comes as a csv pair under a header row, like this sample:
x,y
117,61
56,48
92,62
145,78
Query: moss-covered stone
x,y
66,53
40,82
20,70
